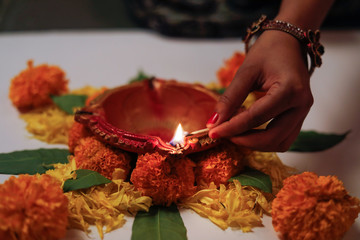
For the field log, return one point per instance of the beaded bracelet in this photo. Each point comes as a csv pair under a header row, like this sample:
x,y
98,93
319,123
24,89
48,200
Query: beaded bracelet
x,y
309,39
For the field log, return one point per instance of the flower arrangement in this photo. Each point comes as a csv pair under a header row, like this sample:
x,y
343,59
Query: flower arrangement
x,y
313,207
76,132
33,87
32,207
219,164
97,191
165,179
94,155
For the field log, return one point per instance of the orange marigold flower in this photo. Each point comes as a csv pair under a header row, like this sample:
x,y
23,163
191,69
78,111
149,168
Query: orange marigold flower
x,y
77,132
226,73
313,207
218,164
164,178
33,86
32,208
94,155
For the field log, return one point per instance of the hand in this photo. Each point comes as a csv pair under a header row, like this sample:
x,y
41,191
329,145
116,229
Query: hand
x,y
275,65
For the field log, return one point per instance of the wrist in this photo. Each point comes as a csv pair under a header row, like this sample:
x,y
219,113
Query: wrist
x,y
301,22
307,38
278,39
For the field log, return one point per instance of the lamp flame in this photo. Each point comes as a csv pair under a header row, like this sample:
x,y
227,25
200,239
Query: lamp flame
x,y
179,136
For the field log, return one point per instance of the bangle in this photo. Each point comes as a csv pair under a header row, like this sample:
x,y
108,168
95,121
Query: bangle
x,y
309,39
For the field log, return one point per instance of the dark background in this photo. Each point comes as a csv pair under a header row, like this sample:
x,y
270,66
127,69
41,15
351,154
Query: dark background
x,y
186,18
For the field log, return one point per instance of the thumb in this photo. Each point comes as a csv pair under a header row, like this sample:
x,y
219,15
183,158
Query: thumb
x,y
232,99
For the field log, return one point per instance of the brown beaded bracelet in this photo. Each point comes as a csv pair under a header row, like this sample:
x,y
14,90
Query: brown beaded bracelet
x,y
309,39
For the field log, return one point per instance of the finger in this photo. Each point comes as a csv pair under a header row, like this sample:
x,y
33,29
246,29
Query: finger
x,y
278,136
275,145
286,144
234,96
263,110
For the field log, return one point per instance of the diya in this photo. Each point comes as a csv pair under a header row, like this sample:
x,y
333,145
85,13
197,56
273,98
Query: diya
x,y
141,117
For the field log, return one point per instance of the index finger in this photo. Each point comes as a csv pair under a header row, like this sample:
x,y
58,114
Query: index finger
x,y
263,110
234,95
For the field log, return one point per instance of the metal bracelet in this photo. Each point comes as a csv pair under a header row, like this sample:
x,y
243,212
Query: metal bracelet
x,y
309,39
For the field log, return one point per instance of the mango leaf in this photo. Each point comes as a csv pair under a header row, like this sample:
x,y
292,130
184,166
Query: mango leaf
x,y
139,77
31,161
220,90
159,223
254,178
68,102
84,179
311,141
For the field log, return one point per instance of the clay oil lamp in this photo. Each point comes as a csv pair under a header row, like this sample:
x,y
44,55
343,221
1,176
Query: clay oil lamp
x,y
143,116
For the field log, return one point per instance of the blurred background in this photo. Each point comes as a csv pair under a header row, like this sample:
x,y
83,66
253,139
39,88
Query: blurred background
x,y
181,18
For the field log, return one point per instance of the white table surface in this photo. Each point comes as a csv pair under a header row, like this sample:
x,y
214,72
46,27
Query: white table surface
x,y
110,58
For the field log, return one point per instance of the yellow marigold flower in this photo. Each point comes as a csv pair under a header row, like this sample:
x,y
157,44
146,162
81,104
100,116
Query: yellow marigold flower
x,y
32,208
270,163
63,172
105,206
226,73
91,92
94,155
33,86
230,206
52,125
48,124
312,207
88,90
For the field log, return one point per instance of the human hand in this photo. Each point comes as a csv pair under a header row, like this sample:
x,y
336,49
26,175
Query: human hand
x,y
275,65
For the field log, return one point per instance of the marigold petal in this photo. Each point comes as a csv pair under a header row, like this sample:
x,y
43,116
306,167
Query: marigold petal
x,y
32,87
164,178
313,207
48,124
270,164
229,206
105,206
32,207
218,164
94,155
227,72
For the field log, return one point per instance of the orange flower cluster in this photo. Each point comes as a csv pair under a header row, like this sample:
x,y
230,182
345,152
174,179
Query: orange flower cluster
x,y
32,208
313,207
76,133
226,73
94,155
218,164
33,86
165,179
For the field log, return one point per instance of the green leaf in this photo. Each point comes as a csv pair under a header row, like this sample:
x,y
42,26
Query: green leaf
x,y
160,223
311,141
220,90
68,102
139,77
254,178
84,179
31,161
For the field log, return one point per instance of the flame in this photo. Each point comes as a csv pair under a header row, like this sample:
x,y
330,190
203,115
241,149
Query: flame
x,y
179,136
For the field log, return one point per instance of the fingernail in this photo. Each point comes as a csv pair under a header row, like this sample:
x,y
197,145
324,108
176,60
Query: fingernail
x,y
214,117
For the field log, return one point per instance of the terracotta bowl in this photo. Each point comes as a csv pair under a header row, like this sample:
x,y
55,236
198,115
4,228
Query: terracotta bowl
x,y
142,117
